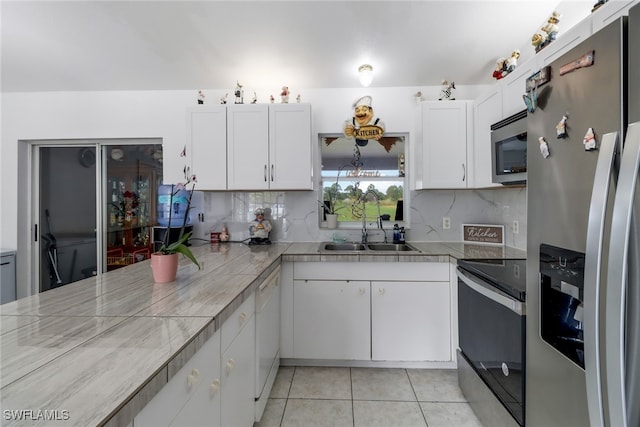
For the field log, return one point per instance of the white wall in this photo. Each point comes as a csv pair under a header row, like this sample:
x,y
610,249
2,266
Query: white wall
x,y
161,114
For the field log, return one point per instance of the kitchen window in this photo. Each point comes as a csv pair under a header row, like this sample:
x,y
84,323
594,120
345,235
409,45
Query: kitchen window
x,y
350,169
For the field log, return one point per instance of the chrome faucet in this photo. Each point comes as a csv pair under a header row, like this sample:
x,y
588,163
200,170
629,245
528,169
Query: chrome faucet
x,y
370,192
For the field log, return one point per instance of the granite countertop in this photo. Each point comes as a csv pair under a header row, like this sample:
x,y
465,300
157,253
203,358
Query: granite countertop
x,y
102,346
95,351
428,251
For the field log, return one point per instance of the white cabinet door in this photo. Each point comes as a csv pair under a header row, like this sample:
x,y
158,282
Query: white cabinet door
x,y
207,146
203,408
332,320
238,376
488,110
248,147
444,144
410,321
167,404
290,161
514,86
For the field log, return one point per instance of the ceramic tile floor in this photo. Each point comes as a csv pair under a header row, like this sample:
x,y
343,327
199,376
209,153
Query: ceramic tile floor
x,y
367,397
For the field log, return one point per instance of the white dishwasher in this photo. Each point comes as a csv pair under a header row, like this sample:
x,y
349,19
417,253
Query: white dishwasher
x,y
267,339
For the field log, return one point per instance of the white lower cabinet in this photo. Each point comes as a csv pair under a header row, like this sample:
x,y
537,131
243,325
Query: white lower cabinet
x,y
331,319
381,312
410,321
238,366
216,386
191,397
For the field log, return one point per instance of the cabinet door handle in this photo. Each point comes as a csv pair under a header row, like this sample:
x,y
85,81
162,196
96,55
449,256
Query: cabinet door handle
x,y
272,172
192,379
464,172
381,291
265,173
362,291
242,317
230,364
215,386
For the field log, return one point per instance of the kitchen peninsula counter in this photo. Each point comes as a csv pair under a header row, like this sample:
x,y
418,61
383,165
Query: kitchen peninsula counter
x,y
94,352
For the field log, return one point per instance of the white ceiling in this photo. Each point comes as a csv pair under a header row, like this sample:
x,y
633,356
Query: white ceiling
x,y
185,45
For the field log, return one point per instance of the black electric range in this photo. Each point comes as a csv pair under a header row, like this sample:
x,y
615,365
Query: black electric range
x,y
508,275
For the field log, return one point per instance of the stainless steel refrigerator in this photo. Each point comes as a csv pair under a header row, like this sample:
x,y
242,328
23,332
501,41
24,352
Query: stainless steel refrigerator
x,y
583,283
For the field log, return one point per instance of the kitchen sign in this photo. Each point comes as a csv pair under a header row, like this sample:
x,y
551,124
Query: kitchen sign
x,y
482,233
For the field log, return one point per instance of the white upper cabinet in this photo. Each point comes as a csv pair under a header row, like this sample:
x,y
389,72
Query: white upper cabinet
x,y
610,11
446,136
290,159
565,41
248,147
487,111
269,147
514,86
207,146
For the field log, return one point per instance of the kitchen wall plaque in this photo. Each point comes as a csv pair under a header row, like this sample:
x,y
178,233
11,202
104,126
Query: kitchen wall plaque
x,y
483,233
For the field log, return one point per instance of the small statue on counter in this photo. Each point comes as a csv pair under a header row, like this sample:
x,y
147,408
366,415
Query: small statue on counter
x,y
224,234
447,91
259,229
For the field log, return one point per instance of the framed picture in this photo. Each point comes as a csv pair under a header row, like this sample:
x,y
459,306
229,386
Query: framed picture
x,y
483,234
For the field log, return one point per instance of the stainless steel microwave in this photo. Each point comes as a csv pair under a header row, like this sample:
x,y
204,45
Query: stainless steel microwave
x,y
509,150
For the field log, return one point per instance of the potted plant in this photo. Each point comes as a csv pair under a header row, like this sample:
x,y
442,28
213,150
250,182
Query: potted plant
x,y
164,262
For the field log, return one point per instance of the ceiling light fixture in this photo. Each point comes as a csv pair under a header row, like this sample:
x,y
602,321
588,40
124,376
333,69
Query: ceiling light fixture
x,y
365,74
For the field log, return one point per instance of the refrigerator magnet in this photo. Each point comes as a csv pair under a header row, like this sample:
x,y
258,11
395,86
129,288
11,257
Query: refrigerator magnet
x,y
544,147
561,127
589,140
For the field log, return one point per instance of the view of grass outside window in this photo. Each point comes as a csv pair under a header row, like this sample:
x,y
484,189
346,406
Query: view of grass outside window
x,y
349,170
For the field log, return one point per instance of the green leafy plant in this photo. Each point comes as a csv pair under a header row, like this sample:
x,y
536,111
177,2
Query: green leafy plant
x,y
180,246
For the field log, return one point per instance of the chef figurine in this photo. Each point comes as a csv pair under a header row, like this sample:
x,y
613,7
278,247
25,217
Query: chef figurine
x,y
259,228
224,235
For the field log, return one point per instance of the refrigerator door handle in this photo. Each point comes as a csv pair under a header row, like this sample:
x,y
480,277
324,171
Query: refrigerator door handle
x,y
617,275
605,170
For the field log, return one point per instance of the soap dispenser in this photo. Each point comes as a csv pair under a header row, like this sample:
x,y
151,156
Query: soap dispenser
x,y
396,233
401,239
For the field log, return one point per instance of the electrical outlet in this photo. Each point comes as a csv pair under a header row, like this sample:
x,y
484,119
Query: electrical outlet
x,y
516,227
446,223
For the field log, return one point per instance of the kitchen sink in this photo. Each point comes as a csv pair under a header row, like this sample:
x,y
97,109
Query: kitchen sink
x,y
342,247
395,247
360,247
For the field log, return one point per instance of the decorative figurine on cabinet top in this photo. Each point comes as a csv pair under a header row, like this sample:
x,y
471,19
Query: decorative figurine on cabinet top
x,y
200,97
547,34
223,99
552,27
284,95
506,65
447,91
255,98
259,229
239,93
364,126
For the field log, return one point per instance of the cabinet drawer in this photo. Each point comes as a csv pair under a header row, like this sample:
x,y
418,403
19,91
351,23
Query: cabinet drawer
x,y
234,324
397,271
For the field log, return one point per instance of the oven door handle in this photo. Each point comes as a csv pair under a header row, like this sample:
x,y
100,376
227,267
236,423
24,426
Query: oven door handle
x,y
484,288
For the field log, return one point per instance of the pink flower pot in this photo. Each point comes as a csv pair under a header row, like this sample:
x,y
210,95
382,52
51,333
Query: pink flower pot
x,y
164,267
